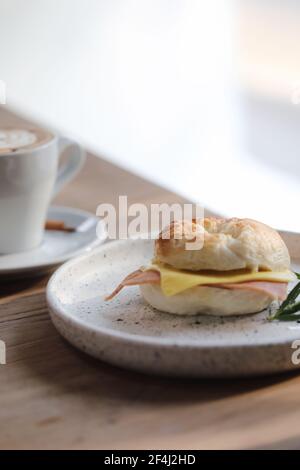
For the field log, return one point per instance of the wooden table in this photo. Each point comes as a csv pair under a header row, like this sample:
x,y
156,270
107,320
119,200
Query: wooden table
x,y
54,397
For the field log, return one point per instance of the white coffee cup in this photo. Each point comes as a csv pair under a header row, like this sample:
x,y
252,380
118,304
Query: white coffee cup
x,y
29,178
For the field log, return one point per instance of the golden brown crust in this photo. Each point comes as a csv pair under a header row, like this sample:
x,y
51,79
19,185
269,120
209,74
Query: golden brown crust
x,y
228,244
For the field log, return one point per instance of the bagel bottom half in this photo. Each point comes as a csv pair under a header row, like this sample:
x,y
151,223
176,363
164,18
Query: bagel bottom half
x,y
206,300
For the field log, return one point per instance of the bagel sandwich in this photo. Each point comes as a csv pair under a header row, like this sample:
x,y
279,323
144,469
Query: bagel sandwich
x,y
241,267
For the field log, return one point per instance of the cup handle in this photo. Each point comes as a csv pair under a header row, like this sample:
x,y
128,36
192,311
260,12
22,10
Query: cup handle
x,y
75,160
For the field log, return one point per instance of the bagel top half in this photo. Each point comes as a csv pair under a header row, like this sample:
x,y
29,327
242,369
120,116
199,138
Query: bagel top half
x,y
228,244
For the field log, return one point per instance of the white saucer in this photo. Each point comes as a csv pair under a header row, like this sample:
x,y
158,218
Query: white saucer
x,y
56,247
128,333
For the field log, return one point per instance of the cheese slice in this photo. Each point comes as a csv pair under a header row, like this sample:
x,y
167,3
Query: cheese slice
x,y
174,281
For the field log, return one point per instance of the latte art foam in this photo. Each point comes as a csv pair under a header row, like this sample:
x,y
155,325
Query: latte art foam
x,y
14,140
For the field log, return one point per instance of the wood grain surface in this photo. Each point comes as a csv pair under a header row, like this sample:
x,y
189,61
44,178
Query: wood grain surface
x,y
54,397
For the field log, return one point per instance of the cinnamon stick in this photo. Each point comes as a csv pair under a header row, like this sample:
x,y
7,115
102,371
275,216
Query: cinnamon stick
x,y
58,225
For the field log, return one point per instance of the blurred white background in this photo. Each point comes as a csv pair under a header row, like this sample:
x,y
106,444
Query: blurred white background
x,y
200,96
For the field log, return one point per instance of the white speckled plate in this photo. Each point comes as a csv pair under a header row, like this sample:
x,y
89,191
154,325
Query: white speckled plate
x,y
128,333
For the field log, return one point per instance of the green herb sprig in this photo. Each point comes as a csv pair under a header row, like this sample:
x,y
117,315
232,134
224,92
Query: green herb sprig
x,y
288,309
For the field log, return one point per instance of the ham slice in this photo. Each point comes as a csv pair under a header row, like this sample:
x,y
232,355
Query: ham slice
x,y
136,278
276,290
